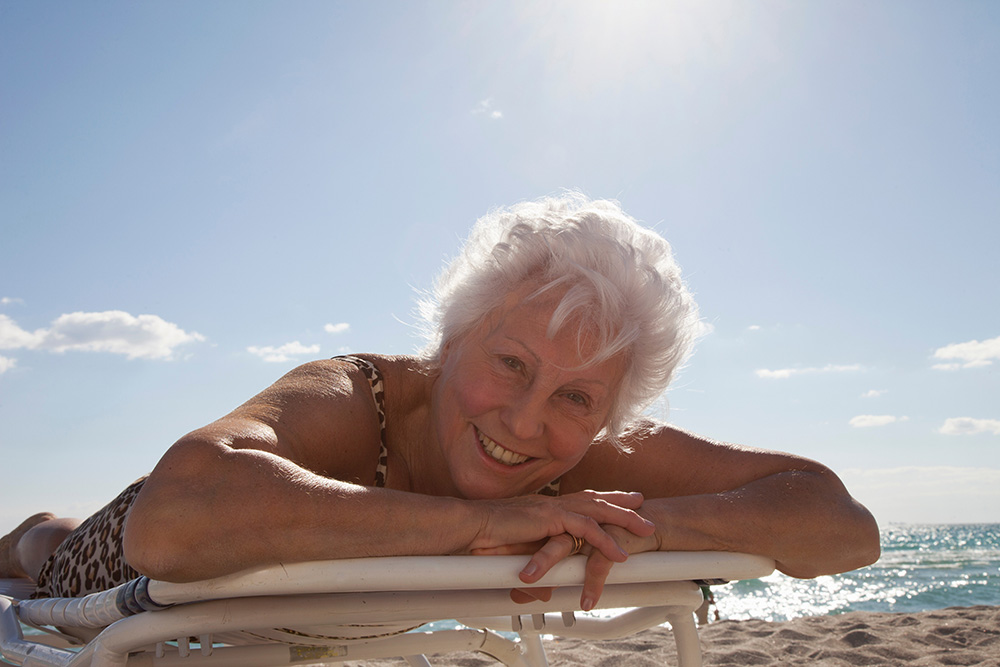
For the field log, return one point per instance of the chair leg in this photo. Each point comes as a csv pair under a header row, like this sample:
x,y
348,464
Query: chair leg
x,y
534,652
686,637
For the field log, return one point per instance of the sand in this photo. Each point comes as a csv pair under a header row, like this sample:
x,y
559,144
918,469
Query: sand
x,y
954,636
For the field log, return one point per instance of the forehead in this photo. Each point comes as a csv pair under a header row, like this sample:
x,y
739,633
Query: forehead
x,y
524,323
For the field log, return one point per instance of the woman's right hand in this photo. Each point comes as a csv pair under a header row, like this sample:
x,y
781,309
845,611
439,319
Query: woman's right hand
x,y
524,524
545,526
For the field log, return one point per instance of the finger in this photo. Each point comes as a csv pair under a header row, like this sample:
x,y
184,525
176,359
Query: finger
x,y
598,568
554,550
605,508
596,536
631,521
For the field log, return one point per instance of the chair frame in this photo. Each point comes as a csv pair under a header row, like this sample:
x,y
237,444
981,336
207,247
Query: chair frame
x,y
150,622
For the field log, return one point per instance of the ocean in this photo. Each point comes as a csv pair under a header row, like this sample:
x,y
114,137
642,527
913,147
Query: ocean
x,y
922,567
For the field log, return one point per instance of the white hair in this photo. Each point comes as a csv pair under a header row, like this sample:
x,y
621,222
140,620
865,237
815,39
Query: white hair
x,y
623,290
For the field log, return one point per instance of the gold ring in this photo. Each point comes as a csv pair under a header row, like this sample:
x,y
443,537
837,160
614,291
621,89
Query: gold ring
x,y
578,543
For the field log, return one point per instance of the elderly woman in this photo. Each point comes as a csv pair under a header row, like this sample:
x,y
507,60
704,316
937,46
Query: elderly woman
x,y
518,430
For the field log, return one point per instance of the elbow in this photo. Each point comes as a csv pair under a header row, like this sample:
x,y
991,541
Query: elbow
x,y
167,530
862,548
147,555
869,543
859,537
854,546
154,546
854,541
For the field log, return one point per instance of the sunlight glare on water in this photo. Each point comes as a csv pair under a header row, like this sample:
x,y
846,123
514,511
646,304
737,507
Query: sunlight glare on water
x,y
922,567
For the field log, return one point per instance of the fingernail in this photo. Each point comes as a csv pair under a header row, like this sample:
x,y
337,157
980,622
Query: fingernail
x,y
586,604
530,569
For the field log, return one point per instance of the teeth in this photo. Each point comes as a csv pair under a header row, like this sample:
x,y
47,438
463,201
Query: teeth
x,y
500,454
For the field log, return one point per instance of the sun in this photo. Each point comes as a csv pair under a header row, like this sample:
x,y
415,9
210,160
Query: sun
x,y
594,45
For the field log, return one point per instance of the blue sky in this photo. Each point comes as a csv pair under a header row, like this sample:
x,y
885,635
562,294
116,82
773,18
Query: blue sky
x,y
197,196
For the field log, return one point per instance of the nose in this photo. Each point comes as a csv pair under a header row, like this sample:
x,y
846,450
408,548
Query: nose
x,y
524,415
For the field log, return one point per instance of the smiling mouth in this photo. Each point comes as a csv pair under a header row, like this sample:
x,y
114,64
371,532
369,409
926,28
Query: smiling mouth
x,y
498,453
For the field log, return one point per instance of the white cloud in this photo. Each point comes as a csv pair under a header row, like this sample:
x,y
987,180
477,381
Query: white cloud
x,y
938,494
866,421
6,363
340,327
13,337
785,373
114,331
873,393
284,353
485,107
7,300
946,367
970,426
753,327
970,354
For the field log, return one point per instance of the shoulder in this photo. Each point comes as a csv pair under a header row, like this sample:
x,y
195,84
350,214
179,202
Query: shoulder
x,y
342,378
323,378
397,385
405,379
323,414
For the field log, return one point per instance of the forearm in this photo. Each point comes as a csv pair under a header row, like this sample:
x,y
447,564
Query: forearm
x,y
806,521
253,508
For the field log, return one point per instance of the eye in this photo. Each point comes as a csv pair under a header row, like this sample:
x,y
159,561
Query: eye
x,y
579,399
512,363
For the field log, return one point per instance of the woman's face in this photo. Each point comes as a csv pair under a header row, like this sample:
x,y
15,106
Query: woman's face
x,y
510,412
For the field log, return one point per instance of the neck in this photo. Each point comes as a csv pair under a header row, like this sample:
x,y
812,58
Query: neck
x,y
414,444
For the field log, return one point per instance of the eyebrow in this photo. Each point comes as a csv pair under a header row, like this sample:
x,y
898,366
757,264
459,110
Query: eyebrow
x,y
598,383
525,347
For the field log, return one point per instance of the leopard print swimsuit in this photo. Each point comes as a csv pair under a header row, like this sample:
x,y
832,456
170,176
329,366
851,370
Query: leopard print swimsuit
x,y
91,558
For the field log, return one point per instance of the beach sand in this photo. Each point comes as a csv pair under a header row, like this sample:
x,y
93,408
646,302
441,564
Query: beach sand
x,y
954,636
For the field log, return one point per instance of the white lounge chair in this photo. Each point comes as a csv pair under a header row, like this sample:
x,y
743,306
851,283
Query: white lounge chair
x,y
358,609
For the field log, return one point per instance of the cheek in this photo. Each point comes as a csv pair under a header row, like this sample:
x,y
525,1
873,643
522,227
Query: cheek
x,y
474,394
569,442
476,397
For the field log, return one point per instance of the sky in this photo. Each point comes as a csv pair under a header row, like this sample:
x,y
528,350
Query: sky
x,y
195,197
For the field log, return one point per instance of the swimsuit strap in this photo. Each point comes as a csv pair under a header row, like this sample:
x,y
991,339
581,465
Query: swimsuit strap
x,y
374,376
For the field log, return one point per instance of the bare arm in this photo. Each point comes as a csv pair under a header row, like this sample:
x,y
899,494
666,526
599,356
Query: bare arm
x,y
209,510
710,495
805,520
703,495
